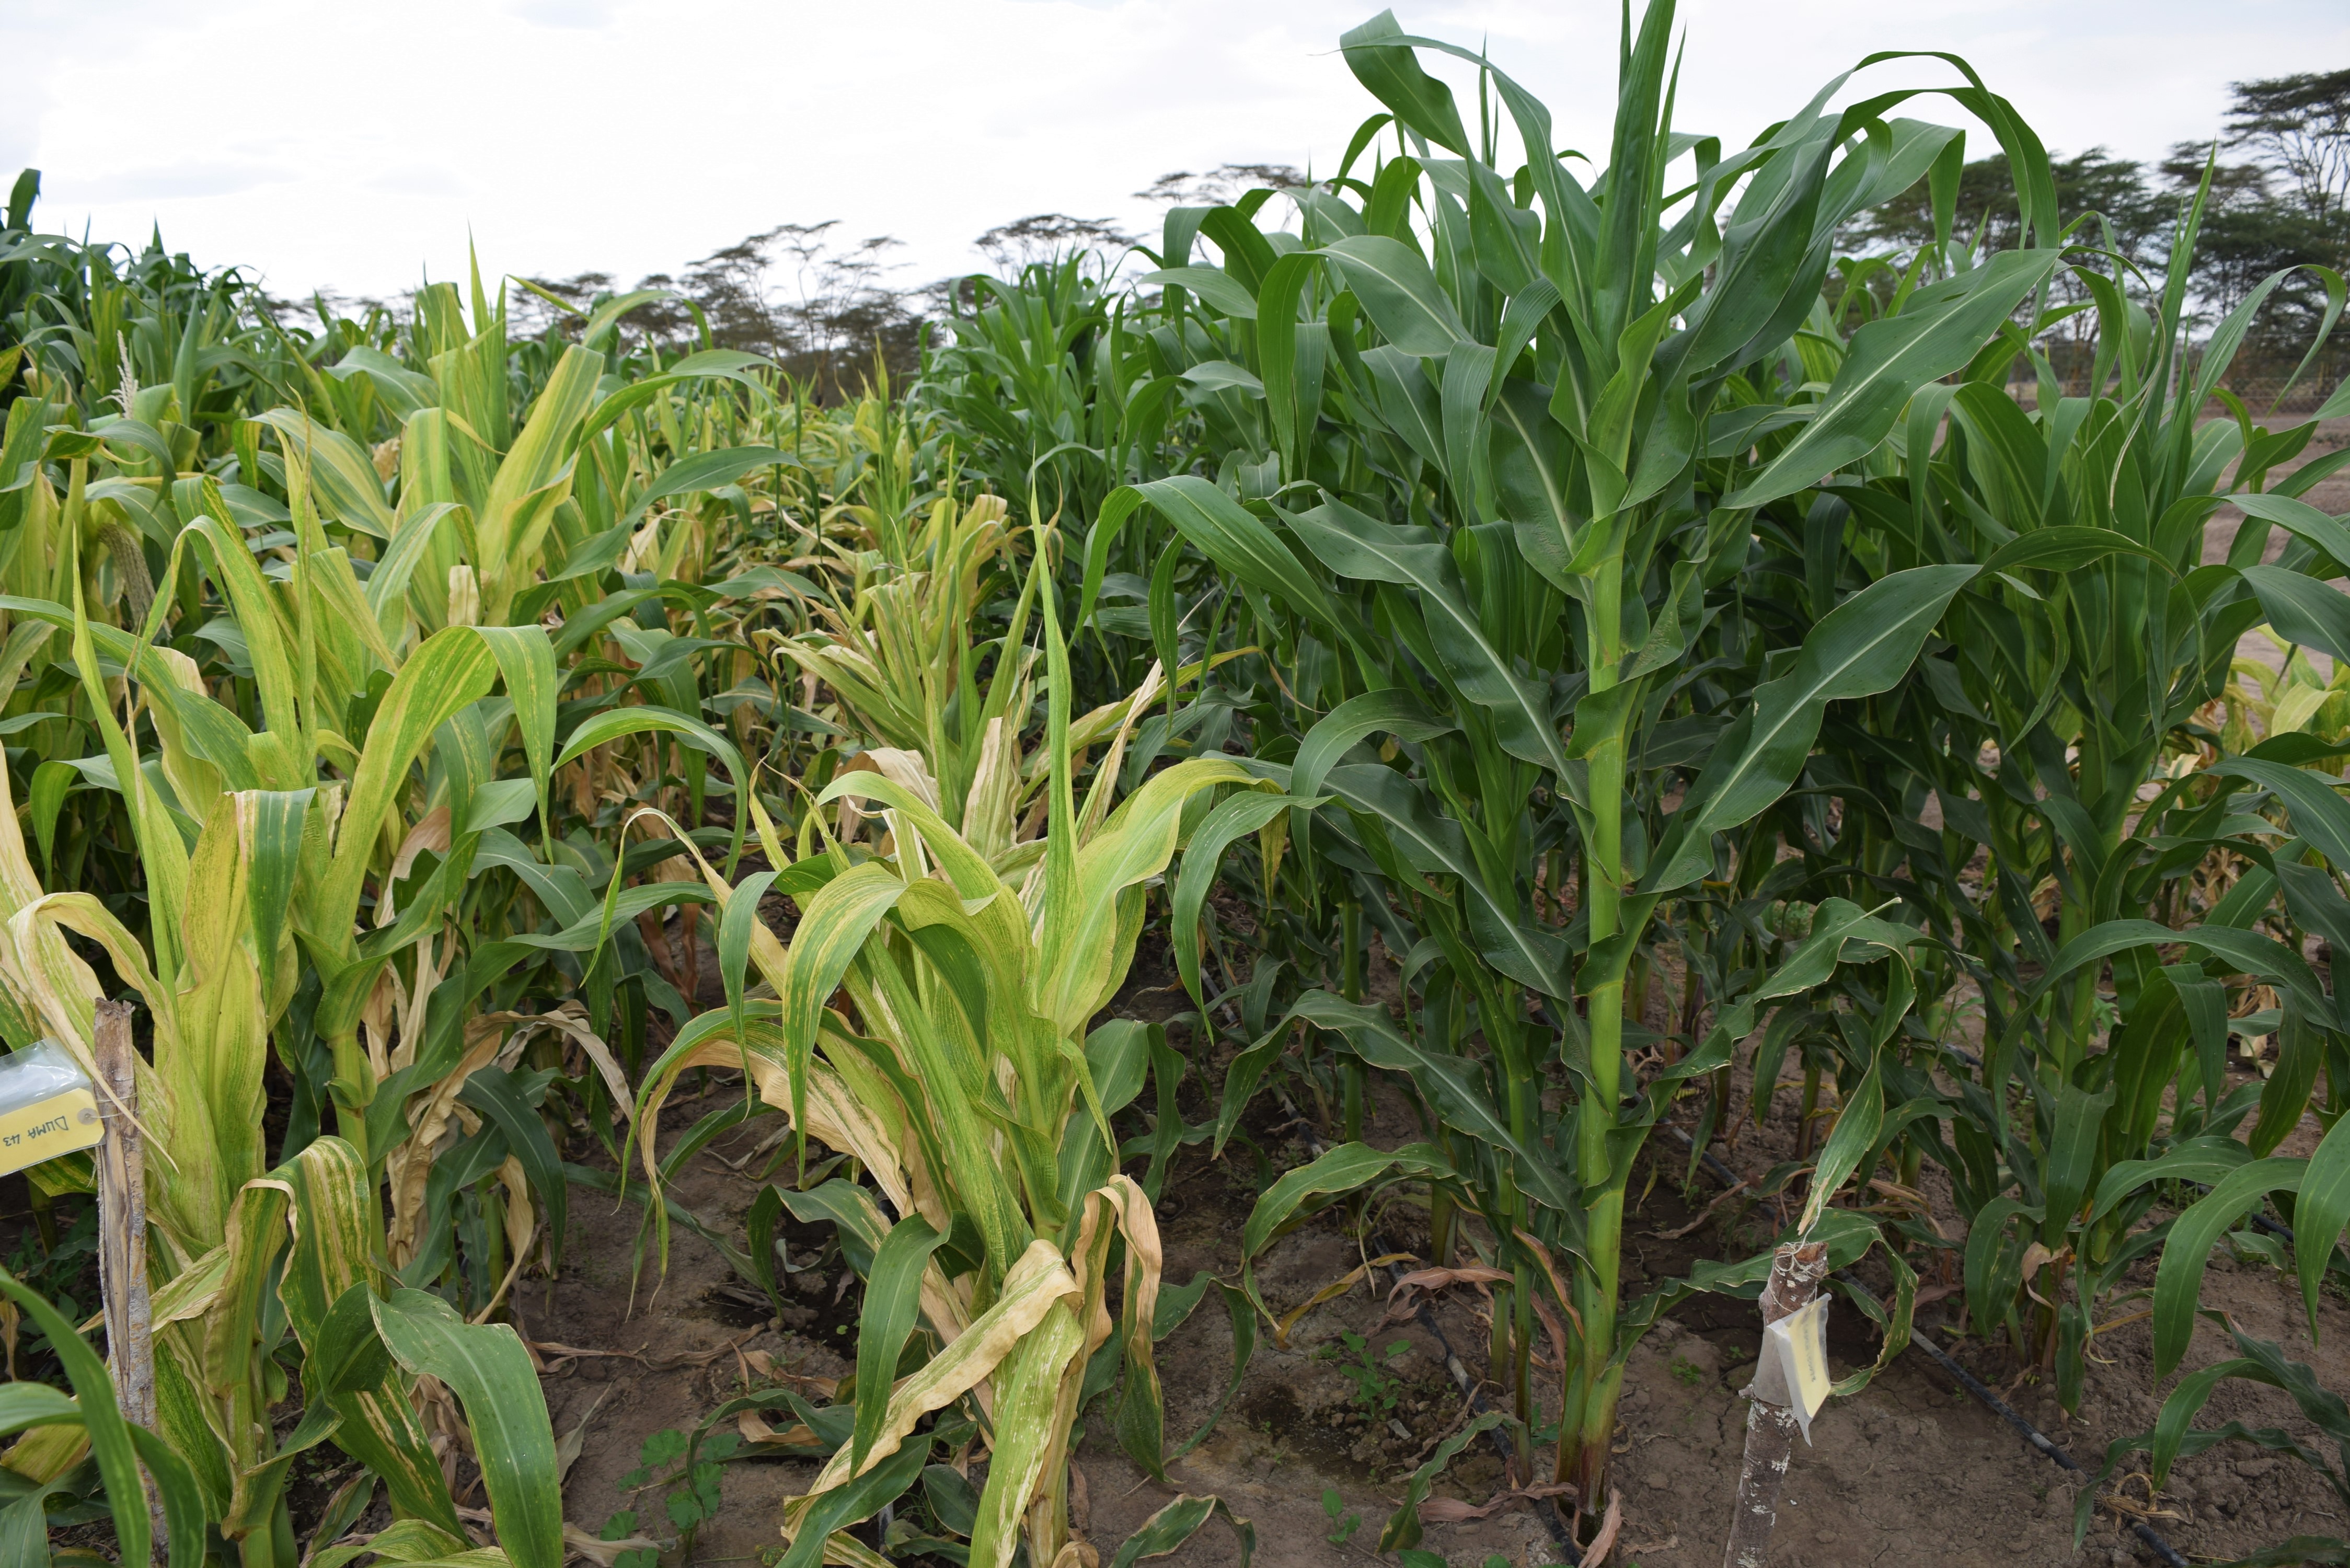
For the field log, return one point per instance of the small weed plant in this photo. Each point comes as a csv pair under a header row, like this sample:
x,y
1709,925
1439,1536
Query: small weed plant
x,y
670,1459
1377,1387
1343,1524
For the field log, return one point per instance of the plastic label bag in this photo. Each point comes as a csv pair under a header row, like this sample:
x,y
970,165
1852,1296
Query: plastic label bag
x,y
46,1106
1794,1369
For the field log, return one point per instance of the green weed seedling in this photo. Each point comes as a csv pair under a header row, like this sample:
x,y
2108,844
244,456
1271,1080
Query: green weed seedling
x,y
669,1459
1343,1524
1688,1371
1377,1387
619,1527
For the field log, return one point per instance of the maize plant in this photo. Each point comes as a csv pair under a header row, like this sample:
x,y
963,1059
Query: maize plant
x,y
2290,696
218,974
962,1074
1539,419
1046,381
119,1447
2070,716
297,740
899,659
98,325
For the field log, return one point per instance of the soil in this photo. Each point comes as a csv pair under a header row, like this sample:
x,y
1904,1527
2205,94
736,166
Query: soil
x,y
684,1342
1910,1470
1909,1460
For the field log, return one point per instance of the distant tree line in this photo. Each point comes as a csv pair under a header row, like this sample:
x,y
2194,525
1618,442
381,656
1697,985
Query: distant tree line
x,y
828,308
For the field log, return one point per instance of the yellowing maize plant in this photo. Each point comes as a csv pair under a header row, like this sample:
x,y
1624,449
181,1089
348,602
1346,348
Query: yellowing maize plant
x,y
957,1065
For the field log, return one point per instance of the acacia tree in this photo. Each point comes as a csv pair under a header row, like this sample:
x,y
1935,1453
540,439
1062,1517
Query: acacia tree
x,y
2299,126
821,307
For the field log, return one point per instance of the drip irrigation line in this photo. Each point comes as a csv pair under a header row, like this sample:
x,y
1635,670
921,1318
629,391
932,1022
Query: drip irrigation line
x,y
2032,1435
1470,1388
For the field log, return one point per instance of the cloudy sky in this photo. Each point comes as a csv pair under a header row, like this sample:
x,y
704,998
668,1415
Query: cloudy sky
x,y
357,145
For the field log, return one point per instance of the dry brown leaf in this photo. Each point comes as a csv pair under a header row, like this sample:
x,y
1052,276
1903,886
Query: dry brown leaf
x,y
757,1432
704,1357
1332,1292
1609,1523
577,1543
568,1447
1703,1214
1604,1543
1458,1511
554,1351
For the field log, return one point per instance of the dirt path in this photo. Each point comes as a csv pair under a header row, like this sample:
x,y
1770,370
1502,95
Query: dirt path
x,y
688,1340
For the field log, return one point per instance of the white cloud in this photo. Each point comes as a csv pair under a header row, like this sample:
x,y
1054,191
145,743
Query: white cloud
x,y
187,179
354,145
421,180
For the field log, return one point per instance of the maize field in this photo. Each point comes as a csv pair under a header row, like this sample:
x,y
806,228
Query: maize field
x,y
1235,924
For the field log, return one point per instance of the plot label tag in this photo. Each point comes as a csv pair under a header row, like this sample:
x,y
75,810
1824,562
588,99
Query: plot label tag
x,y
1794,1369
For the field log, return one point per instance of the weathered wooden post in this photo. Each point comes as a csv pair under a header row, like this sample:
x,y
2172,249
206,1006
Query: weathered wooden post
x,y
123,1233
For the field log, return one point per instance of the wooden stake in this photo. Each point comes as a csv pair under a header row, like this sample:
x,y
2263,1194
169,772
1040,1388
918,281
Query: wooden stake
x,y
122,1234
1796,1270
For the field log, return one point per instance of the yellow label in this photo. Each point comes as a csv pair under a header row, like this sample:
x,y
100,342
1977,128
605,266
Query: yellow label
x,y
47,1128
1808,1355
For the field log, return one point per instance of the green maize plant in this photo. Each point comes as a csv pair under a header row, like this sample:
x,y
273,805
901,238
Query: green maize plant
x,y
98,325
1540,418
962,1075
117,1448
1046,381
277,798
1049,385
220,971
2073,744
2240,1172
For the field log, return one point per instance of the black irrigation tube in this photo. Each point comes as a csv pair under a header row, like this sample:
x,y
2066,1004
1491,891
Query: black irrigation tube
x,y
1470,1388
2032,1435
